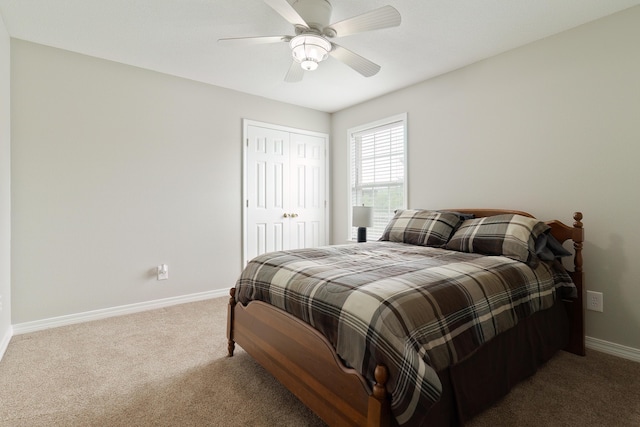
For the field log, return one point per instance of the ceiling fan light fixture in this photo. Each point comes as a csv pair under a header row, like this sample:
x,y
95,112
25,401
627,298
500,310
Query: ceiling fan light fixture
x,y
309,65
309,50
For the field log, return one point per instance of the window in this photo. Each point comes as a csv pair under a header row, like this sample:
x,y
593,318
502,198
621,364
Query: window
x,y
378,171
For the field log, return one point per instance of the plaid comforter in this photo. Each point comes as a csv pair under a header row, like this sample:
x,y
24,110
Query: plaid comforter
x,y
415,309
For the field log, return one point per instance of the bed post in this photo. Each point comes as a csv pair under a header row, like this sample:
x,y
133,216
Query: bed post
x,y
576,307
379,411
578,238
230,310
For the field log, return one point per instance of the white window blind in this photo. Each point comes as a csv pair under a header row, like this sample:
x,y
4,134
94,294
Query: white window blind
x,y
378,171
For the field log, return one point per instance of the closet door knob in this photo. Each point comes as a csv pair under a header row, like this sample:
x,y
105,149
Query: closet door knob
x,y
286,215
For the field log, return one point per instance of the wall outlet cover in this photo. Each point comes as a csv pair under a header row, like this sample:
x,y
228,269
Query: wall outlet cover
x,y
163,272
595,301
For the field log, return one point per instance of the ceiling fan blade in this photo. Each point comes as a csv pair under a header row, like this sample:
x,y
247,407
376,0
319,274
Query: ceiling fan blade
x,y
248,41
287,12
295,73
384,17
355,61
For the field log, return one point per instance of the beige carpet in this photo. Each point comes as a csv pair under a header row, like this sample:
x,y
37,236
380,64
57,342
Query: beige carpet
x,y
168,367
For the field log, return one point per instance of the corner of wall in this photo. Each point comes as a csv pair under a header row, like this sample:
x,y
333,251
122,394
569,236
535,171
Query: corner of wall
x,y
6,331
4,341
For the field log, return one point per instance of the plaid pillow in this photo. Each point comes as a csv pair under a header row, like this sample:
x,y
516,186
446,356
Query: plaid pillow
x,y
509,235
421,227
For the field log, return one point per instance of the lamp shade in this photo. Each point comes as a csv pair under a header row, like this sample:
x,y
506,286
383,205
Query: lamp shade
x,y
362,216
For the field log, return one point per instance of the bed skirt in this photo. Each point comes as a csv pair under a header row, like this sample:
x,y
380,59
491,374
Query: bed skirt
x,y
476,383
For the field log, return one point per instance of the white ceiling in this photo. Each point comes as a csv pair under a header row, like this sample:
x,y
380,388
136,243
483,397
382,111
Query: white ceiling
x,y
178,37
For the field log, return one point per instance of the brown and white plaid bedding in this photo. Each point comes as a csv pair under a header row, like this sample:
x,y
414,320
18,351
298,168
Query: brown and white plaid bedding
x,y
415,309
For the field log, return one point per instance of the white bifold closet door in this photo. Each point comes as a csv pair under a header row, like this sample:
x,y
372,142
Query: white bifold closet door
x,y
285,189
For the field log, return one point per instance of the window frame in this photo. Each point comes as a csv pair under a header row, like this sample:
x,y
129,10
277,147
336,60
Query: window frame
x,y
351,132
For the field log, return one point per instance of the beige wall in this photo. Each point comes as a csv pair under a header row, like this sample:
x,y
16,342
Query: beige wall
x,y
550,128
117,170
5,189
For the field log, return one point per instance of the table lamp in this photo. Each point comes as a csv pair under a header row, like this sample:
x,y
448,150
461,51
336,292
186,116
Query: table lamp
x,y
362,217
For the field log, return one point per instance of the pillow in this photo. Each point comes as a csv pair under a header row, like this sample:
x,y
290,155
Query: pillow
x,y
509,235
421,227
548,248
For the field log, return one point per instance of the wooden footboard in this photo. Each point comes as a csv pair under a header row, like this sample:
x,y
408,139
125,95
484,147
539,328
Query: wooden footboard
x,y
304,361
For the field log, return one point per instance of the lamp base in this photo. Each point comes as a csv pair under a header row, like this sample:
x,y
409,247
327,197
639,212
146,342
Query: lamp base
x,y
362,234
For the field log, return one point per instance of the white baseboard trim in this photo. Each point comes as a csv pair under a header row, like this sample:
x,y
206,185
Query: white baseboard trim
x,y
613,349
4,342
54,322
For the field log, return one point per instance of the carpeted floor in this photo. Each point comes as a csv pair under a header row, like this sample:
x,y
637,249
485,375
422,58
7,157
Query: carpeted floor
x,y
168,367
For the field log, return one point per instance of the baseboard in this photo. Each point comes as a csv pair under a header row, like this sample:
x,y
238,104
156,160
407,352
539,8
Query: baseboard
x,y
54,322
613,349
4,342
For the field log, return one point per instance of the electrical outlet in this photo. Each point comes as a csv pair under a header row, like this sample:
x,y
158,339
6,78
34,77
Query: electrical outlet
x,y
163,272
594,301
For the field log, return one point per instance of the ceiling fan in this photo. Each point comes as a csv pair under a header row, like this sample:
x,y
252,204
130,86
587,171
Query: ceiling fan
x,y
311,43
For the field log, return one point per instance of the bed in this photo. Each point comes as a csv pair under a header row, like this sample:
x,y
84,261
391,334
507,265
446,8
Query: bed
x,y
457,359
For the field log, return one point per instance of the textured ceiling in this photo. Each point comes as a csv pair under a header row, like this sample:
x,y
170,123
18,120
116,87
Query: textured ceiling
x,y
178,37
